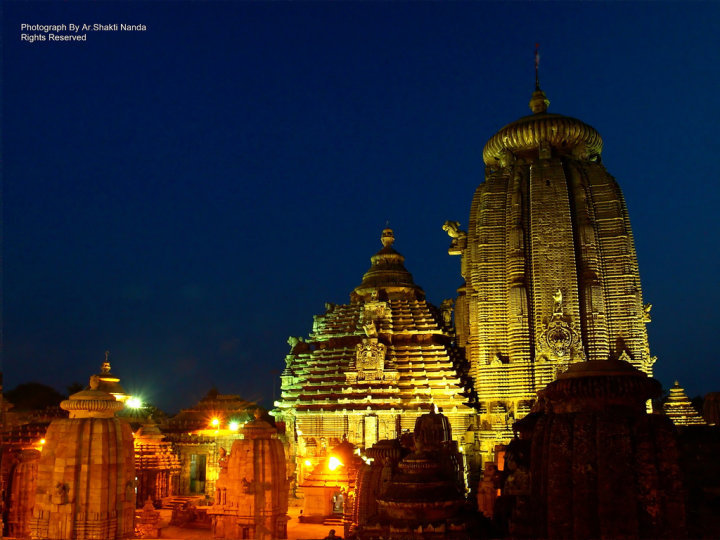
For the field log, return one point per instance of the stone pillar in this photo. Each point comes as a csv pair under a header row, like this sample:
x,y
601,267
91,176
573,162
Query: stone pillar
x,y
252,490
86,475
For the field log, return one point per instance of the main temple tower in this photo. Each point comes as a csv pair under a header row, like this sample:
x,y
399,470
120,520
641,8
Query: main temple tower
x,y
551,275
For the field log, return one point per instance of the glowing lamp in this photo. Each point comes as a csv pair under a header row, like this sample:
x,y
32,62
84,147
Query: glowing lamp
x,y
308,463
42,441
234,426
215,422
334,463
134,403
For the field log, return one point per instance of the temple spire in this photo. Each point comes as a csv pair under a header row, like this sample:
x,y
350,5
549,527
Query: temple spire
x,y
538,102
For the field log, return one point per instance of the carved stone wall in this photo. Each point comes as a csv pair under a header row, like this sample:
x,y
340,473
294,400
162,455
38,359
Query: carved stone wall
x,y
251,493
86,475
551,274
593,463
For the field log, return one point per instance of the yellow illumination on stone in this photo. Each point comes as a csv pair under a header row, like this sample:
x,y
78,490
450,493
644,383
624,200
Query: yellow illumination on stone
x,y
551,275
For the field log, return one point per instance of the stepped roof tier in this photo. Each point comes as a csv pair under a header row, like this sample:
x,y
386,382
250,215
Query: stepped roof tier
x,y
679,408
370,367
224,408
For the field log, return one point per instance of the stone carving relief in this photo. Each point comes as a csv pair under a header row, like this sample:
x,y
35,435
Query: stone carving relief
x,y
646,313
559,338
369,362
375,310
371,315
557,303
370,355
297,345
446,308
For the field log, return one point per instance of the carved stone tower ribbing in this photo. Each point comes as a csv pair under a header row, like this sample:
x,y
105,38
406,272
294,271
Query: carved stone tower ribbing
x,y
551,275
86,475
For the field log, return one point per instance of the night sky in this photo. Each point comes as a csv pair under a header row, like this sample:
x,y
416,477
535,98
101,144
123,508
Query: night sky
x,y
191,195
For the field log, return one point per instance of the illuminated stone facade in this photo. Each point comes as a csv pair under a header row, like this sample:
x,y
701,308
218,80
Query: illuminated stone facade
x,y
251,498
679,408
551,275
86,474
157,467
199,433
371,367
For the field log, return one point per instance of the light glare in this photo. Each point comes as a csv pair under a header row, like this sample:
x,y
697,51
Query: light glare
x,y
134,402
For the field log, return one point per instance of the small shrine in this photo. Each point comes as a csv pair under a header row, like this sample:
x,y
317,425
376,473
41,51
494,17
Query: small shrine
x,y
86,474
591,463
157,467
251,493
679,408
198,433
329,485
417,492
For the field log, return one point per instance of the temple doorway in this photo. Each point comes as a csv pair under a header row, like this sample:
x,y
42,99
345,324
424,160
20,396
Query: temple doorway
x,y
197,473
338,502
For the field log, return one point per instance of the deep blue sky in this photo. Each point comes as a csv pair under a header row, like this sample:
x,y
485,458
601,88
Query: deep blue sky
x,y
189,196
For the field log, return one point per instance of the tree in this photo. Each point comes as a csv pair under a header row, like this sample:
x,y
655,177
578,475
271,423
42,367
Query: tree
x,y
33,396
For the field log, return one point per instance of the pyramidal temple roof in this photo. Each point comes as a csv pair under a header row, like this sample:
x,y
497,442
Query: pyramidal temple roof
x,y
388,348
679,408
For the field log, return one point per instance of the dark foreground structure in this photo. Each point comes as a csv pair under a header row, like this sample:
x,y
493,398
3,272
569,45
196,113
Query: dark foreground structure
x,y
591,463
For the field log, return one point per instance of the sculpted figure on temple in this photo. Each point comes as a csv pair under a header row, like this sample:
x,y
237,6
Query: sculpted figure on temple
x,y
297,345
222,458
646,313
453,229
557,299
447,308
506,158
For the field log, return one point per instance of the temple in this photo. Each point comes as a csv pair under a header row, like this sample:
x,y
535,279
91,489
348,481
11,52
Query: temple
x,y
371,367
549,266
679,408
518,411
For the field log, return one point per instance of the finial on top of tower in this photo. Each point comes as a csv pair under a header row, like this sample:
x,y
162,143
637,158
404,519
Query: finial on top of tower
x,y
106,364
539,101
387,238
